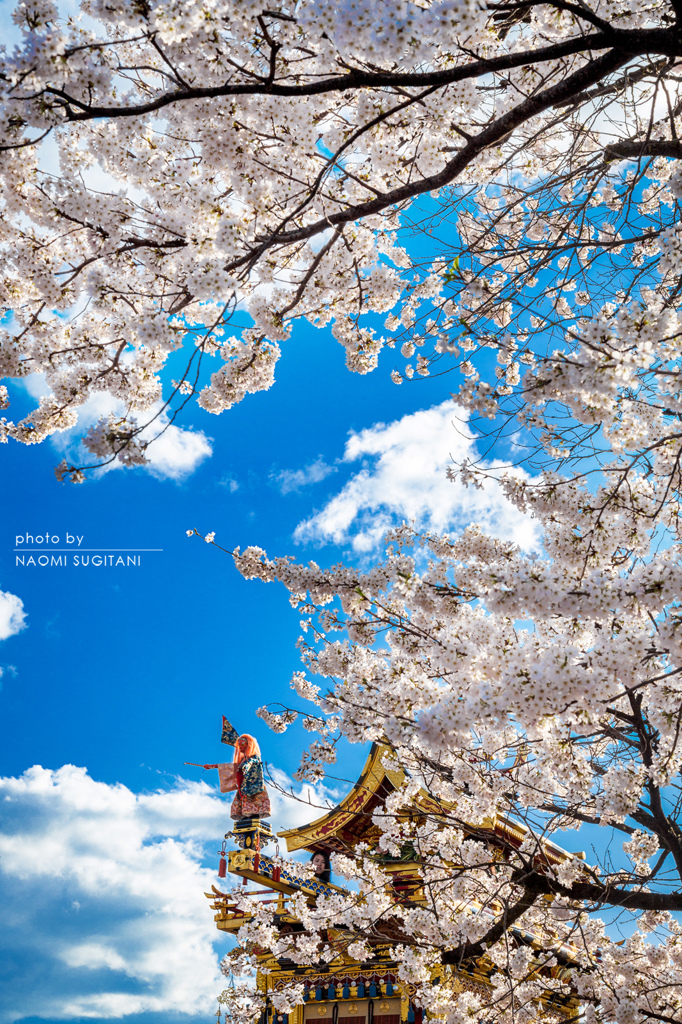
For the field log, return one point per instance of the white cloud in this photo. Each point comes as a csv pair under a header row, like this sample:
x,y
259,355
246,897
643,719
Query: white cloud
x,y
230,483
7,668
12,614
294,479
403,476
307,803
174,455
103,896
102,912
178,452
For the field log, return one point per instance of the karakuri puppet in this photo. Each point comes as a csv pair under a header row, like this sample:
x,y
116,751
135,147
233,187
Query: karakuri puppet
x,y
243,774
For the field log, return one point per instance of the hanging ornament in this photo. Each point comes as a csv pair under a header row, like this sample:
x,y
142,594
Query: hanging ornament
x,y
222,865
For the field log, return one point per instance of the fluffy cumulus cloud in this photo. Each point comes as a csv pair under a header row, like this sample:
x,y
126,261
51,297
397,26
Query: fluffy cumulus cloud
x,y
403,476
102,912
175,454
178,452
295,804
12,614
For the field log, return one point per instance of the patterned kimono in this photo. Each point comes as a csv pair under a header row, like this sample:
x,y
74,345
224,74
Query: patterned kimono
x,y
252,797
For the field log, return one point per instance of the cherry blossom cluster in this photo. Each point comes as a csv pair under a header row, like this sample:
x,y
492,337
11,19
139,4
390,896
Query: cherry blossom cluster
x,y
194,176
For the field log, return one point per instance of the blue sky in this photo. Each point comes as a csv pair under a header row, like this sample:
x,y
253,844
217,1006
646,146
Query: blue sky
x,y
113,677
123,673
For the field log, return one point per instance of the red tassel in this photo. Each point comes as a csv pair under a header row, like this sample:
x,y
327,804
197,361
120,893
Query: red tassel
x,y
222,868
256,862
276,872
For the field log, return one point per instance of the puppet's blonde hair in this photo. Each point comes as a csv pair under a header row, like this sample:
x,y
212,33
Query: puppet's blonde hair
x,y
251,748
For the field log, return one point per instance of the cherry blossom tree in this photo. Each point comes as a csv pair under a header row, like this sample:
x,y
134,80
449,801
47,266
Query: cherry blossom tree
x,y
188,179
541,692
540,689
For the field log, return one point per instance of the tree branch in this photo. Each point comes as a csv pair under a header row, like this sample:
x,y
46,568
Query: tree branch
x,y
474,950
602,895
631,42
490,136
636,149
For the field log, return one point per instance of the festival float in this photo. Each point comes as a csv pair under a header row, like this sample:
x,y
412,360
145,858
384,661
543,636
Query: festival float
x,y
346,990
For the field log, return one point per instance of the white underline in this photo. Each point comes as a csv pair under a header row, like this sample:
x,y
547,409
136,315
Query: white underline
x,y
41,550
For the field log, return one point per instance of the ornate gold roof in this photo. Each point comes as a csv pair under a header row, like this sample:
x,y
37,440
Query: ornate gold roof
x,y
351,822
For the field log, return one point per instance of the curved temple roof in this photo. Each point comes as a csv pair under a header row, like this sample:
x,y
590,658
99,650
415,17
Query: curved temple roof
x,y
350,822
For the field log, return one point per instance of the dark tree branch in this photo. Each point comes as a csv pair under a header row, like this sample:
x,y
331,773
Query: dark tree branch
x,y
631,42
636,149
474,950
600,895
491,136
